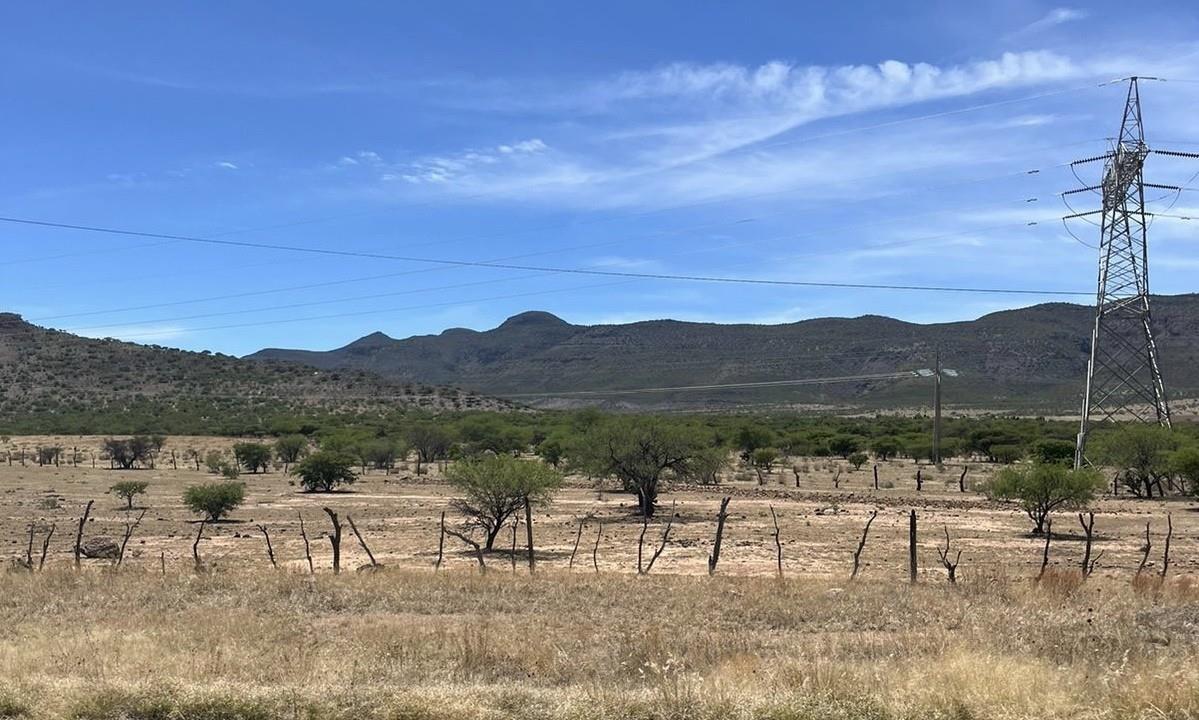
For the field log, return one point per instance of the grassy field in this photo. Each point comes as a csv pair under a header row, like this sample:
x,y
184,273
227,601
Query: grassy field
x,y
244,641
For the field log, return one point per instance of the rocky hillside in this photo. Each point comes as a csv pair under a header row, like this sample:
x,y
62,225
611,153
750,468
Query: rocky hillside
x,y
51,373
1028,359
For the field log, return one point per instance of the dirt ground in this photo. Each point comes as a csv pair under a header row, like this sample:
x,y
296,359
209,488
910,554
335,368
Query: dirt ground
x,y
398,514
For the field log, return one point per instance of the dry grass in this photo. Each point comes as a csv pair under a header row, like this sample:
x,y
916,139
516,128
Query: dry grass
x,y
247,642
414,644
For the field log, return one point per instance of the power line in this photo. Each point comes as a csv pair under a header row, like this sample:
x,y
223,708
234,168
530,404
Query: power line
x,y
375,296
538,268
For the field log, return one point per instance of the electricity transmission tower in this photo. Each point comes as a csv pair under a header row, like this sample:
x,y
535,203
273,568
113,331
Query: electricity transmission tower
x,y
1123,377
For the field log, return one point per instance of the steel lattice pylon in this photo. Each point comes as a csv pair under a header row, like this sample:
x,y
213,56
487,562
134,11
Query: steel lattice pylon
x,y
1123,377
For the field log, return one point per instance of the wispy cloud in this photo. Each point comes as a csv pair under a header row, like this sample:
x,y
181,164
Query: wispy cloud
x,y
1053,18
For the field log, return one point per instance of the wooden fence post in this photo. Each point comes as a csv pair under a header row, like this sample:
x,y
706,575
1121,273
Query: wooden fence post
x,y
857,555
778,543
599,533
912,546
721,516
307,547
79,533
440,544
335,540
529,534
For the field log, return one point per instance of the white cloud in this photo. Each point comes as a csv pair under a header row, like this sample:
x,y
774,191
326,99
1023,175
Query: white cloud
x,y
1053,18
463,165
225,165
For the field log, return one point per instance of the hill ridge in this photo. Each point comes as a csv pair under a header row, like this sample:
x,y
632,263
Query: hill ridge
x,y
1030,358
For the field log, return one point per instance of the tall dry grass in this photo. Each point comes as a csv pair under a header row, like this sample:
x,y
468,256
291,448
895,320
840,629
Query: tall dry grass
x,y
409,644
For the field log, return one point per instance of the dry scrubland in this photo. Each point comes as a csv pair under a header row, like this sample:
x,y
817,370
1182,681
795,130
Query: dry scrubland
x,y
244,641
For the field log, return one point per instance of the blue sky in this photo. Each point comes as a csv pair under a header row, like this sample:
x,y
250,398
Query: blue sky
x,y
848,142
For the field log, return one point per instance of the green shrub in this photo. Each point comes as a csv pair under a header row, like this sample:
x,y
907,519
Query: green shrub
x,y
494,487
1040,489
215,500
325,470
253,456
1007,454
858,459
845,445
129,489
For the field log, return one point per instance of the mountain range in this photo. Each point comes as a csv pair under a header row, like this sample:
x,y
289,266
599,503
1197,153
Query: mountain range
x,y
1031,359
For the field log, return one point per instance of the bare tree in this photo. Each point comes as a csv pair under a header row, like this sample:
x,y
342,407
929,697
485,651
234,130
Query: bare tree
x,y
951,567
661,545
962,479
129,528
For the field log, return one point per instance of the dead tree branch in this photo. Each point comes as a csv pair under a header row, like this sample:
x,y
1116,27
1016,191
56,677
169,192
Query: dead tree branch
x,y
778,543
362,542
950,567
335,539
440,544
599,533
573,552
1145,550
129,528
1045,552
662,545
46,546
79,533
1088,528
721,516
196,547
307,546
1166,551
270,551
477,548
857,555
